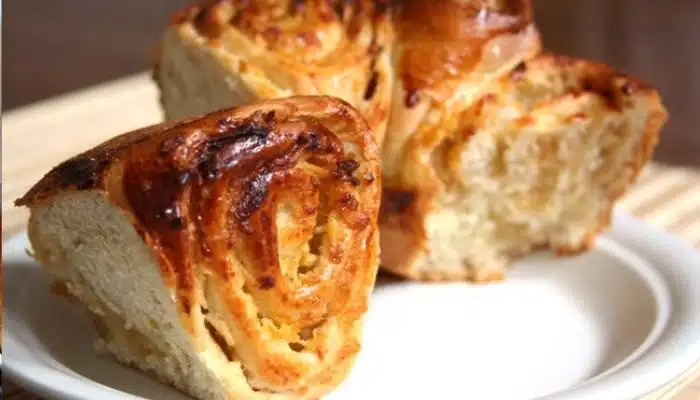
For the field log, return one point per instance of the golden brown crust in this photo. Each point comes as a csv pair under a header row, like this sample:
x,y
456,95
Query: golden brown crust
x,y
445,39
208,187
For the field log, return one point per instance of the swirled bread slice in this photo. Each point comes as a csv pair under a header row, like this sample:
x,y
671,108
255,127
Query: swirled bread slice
x,y
537,161
230,255
224,53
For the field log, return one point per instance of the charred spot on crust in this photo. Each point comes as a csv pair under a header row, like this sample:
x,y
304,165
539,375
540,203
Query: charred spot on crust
x,y
371,86
397,201
209,170
157,194
237,138
249,130
83,172
266,282
257,124
610,98
173,217
314,142
269,117
345,169
253,196
412,98
348,202
603,86
348,166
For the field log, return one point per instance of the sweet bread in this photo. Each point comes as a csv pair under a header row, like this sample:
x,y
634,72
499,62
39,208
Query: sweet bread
x,y
538,161
224,53
230,255
466,189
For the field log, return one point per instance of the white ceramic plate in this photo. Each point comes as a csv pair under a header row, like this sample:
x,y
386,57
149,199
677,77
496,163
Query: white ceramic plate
x,y
615,323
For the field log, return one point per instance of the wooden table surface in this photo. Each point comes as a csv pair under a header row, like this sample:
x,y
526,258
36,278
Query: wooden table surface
x,y
53,47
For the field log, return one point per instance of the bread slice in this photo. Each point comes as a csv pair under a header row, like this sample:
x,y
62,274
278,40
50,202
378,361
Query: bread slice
x,y
231,256
224,53
537,162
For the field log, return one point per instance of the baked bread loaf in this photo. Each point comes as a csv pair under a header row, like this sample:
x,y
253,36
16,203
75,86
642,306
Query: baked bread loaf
x,y
468,187
224,53
231,255
537,162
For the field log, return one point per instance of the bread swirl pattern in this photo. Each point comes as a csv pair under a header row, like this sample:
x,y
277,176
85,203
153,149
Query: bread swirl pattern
x,y
263,222
452,64
271,49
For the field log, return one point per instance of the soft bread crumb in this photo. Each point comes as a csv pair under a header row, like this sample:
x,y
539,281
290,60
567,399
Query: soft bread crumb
x,y
109,243
115,275
537,162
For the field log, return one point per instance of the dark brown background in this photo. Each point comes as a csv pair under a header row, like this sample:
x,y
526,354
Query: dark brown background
x,y
55,46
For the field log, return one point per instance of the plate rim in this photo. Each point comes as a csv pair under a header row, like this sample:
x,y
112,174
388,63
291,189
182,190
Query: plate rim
x,y
631,233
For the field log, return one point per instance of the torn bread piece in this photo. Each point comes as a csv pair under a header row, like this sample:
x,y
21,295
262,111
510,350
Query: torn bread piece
x,y
537,162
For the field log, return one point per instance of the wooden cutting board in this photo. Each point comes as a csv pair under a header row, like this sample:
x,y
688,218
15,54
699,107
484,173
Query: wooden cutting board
x,y
37,137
